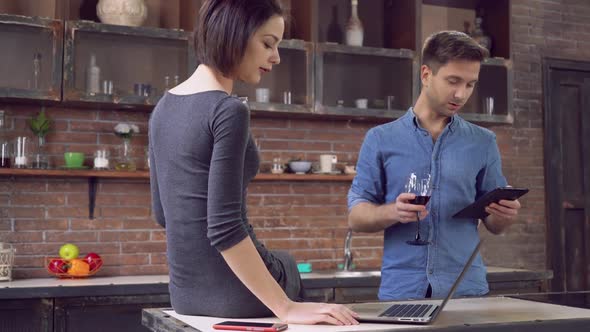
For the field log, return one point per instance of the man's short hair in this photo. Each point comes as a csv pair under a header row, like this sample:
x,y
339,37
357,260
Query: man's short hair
x,y
444,46
224,28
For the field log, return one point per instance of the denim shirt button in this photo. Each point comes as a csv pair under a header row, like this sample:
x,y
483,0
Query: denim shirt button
x,y
430,271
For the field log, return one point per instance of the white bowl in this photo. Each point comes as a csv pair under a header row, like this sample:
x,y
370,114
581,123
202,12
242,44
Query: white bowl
x,y
300,167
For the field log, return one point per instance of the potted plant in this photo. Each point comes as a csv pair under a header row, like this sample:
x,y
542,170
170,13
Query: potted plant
x,y
40,125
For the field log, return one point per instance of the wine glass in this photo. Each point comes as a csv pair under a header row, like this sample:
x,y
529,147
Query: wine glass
x,y
419,184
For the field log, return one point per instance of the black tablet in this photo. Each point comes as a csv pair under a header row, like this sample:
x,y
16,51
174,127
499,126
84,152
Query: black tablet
x,y
478,208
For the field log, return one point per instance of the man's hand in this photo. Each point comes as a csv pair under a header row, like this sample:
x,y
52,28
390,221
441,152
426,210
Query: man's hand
x,y
369,217
403,211
502,215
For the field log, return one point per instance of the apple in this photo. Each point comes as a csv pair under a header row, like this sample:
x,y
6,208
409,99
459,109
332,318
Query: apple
x,y
93,260
57,265
69,251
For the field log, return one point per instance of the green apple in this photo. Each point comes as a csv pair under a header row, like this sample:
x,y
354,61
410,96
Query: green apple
x,y
69,251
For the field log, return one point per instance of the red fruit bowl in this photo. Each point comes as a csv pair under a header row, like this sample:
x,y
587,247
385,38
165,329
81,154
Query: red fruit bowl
x,y
73,268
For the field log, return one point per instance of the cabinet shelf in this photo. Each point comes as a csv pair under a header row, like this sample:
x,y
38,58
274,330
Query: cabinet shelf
x,y
364,50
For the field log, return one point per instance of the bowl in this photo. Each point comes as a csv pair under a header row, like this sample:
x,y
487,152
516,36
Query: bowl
x,y
300,167
62,268
74,159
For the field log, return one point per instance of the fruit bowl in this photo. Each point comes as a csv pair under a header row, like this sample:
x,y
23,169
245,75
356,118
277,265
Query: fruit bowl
x,y
72,268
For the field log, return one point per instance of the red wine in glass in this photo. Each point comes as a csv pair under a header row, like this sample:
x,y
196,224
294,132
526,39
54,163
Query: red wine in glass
x,y
419,184
420,200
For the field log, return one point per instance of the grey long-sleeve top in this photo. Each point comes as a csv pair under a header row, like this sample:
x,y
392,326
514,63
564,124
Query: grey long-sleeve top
x,y
202,158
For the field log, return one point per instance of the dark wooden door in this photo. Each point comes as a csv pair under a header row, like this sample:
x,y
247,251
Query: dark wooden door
x,y
567,168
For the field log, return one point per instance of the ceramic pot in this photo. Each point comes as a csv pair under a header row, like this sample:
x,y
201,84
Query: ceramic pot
x,y
122,12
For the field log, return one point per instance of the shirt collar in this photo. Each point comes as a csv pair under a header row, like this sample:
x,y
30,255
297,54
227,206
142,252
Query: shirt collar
x,y
411,119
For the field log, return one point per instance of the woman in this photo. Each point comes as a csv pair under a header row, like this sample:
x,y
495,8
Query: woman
x,y
203,158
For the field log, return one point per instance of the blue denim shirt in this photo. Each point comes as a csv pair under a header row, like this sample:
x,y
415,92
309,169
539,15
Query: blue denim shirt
x,y
464,163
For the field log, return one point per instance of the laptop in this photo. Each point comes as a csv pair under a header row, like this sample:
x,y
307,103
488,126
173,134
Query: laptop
x,y
409,312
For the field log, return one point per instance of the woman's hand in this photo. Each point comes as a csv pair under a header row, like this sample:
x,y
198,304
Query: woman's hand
x,y
318,313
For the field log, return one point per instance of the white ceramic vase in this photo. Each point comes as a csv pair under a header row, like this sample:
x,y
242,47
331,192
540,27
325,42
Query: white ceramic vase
x,y
122,12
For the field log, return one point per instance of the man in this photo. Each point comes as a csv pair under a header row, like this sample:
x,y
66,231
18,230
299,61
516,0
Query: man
x,y
464,163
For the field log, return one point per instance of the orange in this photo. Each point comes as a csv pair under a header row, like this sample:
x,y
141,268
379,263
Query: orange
x,y
78,268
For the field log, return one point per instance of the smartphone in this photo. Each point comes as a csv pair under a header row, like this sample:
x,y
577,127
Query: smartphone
x,y
477,209
250,326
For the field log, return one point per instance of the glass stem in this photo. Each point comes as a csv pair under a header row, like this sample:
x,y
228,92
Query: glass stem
x,y
417,226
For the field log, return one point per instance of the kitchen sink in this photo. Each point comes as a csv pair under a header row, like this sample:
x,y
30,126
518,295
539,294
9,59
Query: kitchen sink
x,y
343,274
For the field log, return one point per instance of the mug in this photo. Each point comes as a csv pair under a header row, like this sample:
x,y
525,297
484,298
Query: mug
x,y
262,95
327,162
361,103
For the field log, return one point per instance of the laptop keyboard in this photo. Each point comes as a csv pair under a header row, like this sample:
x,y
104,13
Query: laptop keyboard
x,y
407,310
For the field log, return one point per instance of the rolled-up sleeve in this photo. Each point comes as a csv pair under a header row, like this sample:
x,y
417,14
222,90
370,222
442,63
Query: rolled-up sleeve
x,y
368,184
491,177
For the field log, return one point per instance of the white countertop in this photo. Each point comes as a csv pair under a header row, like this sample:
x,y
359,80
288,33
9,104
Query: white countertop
x,y
164,279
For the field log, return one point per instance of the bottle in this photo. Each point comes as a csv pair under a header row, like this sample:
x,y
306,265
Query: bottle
x,y
93,77
37,71
166,83
479,35
4,143
354,27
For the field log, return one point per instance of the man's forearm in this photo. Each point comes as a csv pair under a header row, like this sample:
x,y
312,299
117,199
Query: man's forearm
x,y
497,225
369,217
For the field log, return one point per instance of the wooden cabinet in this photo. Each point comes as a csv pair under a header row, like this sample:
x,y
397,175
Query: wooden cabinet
x,y
364,81
31,58
323,77
123,67
26,315
104,313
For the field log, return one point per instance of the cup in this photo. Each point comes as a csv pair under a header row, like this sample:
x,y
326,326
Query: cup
x,y
277,166
101,159
327,162
263,95
74,159
287,97
21,152
350,169
488,105
390,102
361,103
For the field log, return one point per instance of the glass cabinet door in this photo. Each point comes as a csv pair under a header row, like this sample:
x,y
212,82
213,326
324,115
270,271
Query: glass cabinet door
x,y
364,81
289,86
31,58
119,66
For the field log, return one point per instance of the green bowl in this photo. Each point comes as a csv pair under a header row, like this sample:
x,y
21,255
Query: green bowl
x,y
74,159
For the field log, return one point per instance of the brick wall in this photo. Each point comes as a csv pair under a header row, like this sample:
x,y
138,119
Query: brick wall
x,y
306,218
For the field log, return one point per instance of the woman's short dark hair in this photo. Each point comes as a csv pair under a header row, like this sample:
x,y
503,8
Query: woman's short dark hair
x,y
224,28
444,46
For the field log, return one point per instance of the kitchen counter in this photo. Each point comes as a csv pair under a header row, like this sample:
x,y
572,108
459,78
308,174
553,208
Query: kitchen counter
x,y
468,314
158,284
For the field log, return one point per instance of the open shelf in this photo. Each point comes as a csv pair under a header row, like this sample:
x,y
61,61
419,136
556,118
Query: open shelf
x,y
146,175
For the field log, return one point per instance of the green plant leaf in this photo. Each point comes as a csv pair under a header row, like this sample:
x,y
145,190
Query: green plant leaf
x,y
40,124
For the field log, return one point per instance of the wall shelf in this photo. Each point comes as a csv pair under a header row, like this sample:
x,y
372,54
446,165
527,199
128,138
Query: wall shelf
x,y
93,177
144,174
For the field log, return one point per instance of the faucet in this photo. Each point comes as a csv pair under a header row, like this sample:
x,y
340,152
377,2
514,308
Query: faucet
x,y
347,252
